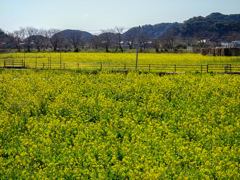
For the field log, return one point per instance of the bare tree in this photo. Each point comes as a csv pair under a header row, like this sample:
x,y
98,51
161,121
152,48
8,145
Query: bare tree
x,y
5,40
106,39
144,40
119,31
66,44
75,39
83,42
46,40
156,44
40,39
17,38
188,41
131,37
30,37
168,41
96,42
56,38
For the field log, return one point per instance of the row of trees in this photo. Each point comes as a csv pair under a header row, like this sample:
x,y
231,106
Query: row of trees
x,y
30,38
42,39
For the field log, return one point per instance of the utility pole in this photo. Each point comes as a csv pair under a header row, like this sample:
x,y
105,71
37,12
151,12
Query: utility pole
x,y
24,54
60,60
137,46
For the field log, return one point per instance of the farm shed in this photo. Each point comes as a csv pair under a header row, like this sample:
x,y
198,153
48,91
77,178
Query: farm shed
x,y
221,51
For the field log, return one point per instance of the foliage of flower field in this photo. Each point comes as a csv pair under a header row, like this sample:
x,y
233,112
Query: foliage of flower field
x,y
73,125
144,58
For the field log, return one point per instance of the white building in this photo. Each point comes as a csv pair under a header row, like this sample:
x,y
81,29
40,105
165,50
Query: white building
x,y
232,44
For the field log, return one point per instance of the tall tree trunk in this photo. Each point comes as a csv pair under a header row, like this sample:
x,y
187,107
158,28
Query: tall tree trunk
x,y
121,48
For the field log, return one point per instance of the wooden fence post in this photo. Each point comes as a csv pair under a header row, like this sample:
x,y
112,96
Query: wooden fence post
x,y
201,68
4,63
149,68
43,65
36,63
207,68
175,67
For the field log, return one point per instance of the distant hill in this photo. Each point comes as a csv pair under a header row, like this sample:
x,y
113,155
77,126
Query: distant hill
x,y
222,17
154,31
86,35
215,27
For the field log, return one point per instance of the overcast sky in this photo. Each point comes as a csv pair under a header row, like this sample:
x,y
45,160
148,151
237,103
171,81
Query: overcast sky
x,y
96,15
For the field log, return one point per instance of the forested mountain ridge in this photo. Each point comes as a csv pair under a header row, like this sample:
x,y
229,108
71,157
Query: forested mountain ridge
x,y
215,27
154,31
222,17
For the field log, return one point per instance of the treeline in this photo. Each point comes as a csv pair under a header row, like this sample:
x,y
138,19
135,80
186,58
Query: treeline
x,y
197,32
32,39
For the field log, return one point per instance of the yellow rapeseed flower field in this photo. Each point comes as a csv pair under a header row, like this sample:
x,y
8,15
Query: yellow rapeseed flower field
x,y
144,58
73,125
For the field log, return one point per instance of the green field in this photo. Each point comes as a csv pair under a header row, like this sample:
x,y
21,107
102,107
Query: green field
x,y
74,125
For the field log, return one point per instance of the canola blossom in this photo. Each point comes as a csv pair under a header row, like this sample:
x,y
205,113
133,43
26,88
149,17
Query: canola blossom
x,y
143,58
71,125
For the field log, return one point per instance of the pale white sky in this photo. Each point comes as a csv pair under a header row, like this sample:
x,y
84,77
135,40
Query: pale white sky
x,y
96,15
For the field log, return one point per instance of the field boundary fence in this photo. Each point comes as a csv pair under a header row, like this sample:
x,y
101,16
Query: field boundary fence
x,y
165,68
13,64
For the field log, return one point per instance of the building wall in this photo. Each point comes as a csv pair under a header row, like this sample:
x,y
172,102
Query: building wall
x,y
221,51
